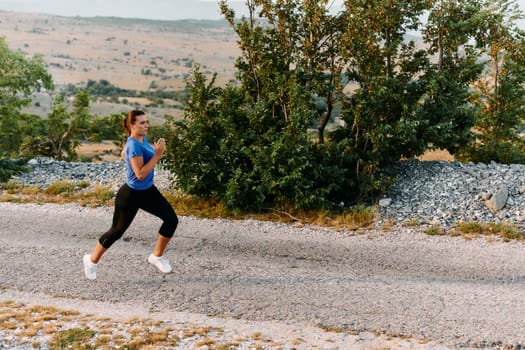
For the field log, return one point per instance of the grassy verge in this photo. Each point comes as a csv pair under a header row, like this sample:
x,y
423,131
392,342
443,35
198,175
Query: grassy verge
x,y
357,218
470,230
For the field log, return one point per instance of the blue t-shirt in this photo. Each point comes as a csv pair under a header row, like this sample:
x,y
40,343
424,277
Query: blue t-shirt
x,y
135,148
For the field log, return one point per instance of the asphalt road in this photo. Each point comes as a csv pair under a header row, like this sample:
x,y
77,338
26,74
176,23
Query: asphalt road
x,y
461,293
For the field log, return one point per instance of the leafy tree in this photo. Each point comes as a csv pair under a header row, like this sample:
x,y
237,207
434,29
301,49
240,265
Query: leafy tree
x,y
248,145
296,40
405,103
501,90
62,130
287,64
381,115
19,76
448,106
225,151
107,128
81,113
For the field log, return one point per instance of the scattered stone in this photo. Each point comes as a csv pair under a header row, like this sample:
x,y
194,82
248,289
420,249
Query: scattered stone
x,y
385,202
498,199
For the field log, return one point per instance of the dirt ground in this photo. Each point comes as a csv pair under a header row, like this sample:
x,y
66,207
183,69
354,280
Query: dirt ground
x,y
105,150
302,287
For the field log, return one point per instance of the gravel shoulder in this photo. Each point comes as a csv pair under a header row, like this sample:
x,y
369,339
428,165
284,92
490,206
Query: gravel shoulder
x,y
397,289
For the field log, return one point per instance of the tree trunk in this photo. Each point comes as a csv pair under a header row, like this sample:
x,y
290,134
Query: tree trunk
x,y
324,120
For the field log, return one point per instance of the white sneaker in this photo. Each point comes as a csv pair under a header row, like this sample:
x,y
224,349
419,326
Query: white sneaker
x,y
90,268
160,263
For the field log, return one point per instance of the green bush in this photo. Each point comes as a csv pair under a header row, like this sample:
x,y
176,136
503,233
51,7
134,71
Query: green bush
x,y
8,168
249,160
507,152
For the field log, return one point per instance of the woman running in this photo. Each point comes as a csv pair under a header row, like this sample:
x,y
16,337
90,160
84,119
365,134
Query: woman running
x,y
138,192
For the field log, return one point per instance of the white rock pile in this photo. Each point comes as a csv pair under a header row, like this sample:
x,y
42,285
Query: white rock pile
x,y
44,171
442,193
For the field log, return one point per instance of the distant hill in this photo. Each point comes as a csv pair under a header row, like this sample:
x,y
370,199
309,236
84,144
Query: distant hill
x,y
133,54
130,53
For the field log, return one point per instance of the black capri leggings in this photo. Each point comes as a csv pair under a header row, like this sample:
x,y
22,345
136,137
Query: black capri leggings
x,y
127,203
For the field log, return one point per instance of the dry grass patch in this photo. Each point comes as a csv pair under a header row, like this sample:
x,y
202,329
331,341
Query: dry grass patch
x,y
208,208
200,331
350,219
411,223
30,322
30,331
333,329
50,329
161,335
102,341
256,336
435,231
74,338
437,154
205,342
471,230
223,346
388,226
297,341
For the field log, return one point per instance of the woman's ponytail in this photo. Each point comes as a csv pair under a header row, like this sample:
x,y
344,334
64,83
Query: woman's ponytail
x,y
125,125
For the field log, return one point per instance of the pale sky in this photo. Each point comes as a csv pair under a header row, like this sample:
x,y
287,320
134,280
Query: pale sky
x,y
150,9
